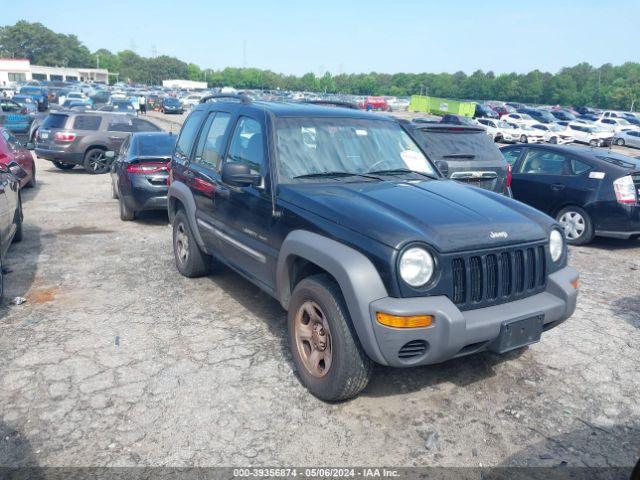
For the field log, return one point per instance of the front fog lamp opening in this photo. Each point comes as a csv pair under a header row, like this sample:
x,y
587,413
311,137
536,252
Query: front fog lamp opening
x,y
556,245
416,266
398,321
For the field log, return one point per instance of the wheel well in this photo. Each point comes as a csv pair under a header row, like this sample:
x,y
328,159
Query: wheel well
x,y
100,147
174,206
299,269
558,209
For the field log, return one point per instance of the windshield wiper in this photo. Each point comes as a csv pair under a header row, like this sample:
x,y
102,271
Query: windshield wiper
x,y
460,155
397,171
334,174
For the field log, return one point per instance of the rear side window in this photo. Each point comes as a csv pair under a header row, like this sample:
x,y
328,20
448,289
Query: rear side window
x,y
578,167
87,122
120,125
188,133
55,121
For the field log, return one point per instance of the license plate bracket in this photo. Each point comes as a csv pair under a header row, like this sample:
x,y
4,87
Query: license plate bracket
x,y
518,332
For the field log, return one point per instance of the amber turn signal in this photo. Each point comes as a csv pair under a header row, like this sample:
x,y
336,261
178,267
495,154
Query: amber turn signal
x,y
574,284
415,321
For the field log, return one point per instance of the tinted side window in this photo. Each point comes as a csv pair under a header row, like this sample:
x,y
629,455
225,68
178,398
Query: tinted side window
x,y
511,156
246,145
541,162
143,126
120,125
578,167
87,122
188,133
211,142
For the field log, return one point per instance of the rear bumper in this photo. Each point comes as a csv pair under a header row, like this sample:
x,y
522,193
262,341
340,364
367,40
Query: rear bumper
x,y
456,333
60,156
142,195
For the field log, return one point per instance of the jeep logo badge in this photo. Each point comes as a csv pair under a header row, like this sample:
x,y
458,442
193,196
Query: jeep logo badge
x,y
498,235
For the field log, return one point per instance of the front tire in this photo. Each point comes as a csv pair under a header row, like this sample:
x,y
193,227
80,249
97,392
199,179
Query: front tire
x,y
593,143
523,139
63,166
325,348
96,162
620,142
32,182
17,237
578,228
191,261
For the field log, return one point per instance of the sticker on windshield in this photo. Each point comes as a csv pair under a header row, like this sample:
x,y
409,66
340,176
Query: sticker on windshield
x,y
598,175
361,133
413,160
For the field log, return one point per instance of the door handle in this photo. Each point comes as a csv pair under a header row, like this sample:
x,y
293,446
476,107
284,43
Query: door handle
x,y
557,186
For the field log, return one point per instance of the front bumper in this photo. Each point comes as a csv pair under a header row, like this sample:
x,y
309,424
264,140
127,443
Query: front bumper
x,y
456,333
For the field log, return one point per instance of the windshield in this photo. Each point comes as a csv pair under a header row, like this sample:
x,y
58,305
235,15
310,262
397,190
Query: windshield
x,y
171,101
622,121
526,116
546,115
308,146
156,145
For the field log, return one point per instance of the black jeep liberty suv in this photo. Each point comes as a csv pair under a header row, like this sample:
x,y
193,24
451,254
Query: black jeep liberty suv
x,y
341,217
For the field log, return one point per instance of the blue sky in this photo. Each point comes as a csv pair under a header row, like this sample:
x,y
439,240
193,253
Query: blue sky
x,y
353,36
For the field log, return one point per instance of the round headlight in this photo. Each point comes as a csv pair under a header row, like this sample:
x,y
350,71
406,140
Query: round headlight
x,y
556,245
416,266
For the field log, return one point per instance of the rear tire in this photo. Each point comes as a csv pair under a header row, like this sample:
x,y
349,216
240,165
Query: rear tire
x,y
593,143
126,214
523,139
578,228
96,162
191,261
325,348
114,193
63,166
554,140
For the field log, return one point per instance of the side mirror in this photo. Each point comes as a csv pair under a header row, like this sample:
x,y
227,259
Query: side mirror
x,y
443,167
110,154
239,175
30,146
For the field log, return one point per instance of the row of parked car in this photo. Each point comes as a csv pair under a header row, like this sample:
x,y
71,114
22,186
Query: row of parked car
x,y
347,218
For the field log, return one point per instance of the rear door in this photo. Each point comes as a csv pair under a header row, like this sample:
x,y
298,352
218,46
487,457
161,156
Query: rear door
x,y
204,169
540,179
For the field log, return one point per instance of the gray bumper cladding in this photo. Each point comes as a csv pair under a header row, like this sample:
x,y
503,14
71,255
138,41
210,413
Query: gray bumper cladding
x,y
455,333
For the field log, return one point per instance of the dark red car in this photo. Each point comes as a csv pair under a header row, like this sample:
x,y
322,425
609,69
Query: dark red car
x,y
17,158
376,103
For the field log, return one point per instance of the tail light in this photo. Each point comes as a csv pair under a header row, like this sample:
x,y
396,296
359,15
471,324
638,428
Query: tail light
x,y
146,168
509,177
625,190
65,136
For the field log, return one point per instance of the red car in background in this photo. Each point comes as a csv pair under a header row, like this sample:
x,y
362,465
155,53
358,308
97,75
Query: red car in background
x,y
375,103
17,158
502,109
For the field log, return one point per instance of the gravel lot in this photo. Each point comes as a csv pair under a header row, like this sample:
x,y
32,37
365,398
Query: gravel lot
x,y
115,359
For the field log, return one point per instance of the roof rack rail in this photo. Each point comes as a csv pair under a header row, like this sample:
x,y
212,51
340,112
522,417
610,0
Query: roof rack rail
x,y
332,103
231,96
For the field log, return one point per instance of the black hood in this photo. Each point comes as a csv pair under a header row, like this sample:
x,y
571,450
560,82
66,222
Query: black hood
x,y
446,215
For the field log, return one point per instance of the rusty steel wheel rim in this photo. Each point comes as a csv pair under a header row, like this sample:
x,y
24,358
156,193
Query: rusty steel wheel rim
x,y
313,339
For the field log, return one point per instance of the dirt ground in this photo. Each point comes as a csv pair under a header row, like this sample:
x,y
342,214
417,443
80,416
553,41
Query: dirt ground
x,y
116,359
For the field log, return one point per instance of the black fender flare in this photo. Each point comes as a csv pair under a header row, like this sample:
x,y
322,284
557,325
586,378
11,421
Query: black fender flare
x,y
179,191
357,277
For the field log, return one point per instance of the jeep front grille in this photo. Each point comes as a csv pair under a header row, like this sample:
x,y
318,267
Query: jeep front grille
x,y
485,279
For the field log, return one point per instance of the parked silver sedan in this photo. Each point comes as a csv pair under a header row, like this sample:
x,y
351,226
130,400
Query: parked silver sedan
x,y
630,138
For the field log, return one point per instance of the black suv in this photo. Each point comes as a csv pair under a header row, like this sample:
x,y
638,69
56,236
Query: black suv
x,y
339,215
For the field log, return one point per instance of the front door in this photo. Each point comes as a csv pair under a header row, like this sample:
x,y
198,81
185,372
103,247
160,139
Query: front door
x,y
244,214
